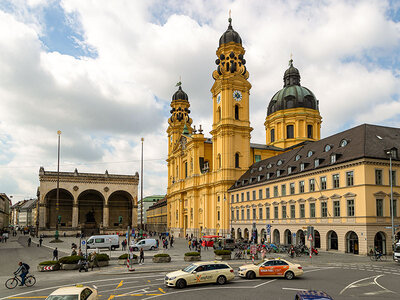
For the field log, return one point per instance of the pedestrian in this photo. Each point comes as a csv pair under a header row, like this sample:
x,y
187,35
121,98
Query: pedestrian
x,y
40,242
190,244
80,252
55,254
157,243
73,253
94,260
141,257
29,241
172,241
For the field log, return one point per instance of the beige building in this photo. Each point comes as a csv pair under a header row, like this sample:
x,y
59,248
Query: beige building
x,y
339,185
157,216
5,204
88,202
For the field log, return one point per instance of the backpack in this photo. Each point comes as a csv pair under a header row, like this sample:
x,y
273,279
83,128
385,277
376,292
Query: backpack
x,y
26,266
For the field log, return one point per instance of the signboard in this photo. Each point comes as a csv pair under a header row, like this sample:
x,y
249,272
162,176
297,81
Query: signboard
x,y
228,236
83,243
310,238
268,228
294,234
253,249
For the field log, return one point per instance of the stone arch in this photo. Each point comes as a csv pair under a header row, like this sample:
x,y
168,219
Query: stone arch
x,y
352,245
120,204
287,237
276,237
246,234
66,202
317,239
90,204
380,242
233,233
332,240
300,237
239,233
263,234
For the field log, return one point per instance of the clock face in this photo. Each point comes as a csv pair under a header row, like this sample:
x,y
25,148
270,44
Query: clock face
x,y
237,95
219,99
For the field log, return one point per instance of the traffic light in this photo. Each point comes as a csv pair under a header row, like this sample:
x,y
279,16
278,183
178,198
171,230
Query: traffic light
x,y
59,219
120,219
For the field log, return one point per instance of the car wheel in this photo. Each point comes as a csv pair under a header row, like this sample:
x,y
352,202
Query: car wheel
x,y
180,284
250,275
135,249
221,280
289,275
152,248
112,248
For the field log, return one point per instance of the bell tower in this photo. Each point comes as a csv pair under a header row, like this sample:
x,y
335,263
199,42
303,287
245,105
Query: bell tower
x,y
230,95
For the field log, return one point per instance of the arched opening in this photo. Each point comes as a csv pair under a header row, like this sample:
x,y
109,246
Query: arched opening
x,y
317,239
236,112
90,203
300,237
239,233
309,131
246,234
289,131
237,160
254,236
263,235
332,240
288,237
352,242
65,203
276,237
120,210
380,242
272,135
233,233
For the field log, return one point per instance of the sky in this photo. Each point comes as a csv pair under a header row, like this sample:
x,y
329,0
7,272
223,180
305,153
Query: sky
x,y
103,72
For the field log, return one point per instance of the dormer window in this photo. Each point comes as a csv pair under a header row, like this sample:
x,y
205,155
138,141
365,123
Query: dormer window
x,y
310,153
268,176
343,143
279,162
289,170
302,166
327,148
260,168
298,156
260,177
333,158
269,166
278,173
316,163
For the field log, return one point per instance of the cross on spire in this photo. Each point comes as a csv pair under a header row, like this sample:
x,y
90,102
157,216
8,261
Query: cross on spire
x,y
291,60
230,19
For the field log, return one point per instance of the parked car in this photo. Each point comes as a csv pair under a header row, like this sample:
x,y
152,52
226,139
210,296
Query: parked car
x,y
145,244
396,252
312,295
103,241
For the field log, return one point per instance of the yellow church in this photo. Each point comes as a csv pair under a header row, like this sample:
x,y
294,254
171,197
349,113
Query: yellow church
x,y
201,169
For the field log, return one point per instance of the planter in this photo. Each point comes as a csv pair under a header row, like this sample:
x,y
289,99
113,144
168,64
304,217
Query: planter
x,y
162,259
48,268
103,263
192,258
69,266
222,257
123,261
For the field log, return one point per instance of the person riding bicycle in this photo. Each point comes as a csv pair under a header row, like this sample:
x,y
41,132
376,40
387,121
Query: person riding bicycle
x,y
23,269
378,253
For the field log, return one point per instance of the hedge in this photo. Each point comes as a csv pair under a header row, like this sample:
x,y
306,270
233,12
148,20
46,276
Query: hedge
x,y
102,257
222,252
192,254
73,259
161,255
49,263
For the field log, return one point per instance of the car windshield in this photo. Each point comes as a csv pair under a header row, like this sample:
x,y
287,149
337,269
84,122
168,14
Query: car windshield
x,y
189,268
63,297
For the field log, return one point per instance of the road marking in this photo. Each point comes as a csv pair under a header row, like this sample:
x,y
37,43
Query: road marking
x,y
148,281
376,282
261,284
353,284
111,297
33,297
129,287
161,290
293,289
120,284
95,286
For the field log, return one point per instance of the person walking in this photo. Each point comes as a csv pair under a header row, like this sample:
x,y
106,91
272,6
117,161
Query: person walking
x,y
141,257
40,242
55,254
29,241
190,244
94,260
172,241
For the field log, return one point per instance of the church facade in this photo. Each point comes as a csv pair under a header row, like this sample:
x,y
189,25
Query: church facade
x,y
202,169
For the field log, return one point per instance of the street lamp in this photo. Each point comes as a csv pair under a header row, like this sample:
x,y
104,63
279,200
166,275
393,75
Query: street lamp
x,y
141,190
391,152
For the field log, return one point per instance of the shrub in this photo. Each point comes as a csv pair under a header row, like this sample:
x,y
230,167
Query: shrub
x,y
103,257
73,259
222,252
161,255
123,256
49,263
192,254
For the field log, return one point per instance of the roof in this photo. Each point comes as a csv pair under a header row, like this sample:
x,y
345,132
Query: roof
x,y
70,290
152,198
262,146
230,35
159,203
363,141
29,204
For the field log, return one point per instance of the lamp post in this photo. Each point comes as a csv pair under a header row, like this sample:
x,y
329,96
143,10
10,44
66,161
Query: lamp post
x,y
141,190
58,186
390,153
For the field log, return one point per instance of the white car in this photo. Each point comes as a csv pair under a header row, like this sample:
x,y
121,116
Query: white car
x,y
78,292
146,244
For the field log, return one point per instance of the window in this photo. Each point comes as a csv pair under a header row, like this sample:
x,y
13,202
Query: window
x,y
247,196
297,157
336,208
267,213
260,213
232,198
343,143
242,214
302,211
272,135
283,189
254,214
254,195
292,188
327,148
301,186
278,173
316,163
350,208
378,177
219,215
310,153
289,170
292,211
333,158
237,197
289,131
393,177
312,210
186,170
242,196
257,158
335,178
284,212
280,162
237,160
237,214
379,207
276,191
302,166
236,112
324,209
219,199
394,208
248,214
276,212
323,183
260,196
267,193
350,178
309,131
312,185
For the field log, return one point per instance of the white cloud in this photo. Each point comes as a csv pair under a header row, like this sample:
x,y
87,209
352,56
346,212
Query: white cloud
x,y
105,104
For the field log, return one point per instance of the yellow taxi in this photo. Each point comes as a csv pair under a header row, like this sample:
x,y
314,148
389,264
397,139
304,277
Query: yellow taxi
x,y
275,267
199,273
78,292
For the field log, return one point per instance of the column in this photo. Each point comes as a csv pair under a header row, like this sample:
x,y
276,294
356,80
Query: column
x,y
75,215
42,216
105,216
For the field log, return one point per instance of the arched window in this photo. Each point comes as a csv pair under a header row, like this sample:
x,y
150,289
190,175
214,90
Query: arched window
x,y
219,114
289,131
236,112
272,135
309,131
237,160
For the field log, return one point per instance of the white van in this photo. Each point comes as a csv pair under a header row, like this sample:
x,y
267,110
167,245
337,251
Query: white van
x,y
103,241
146,244
396,254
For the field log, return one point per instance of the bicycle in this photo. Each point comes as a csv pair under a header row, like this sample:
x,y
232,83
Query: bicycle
x,y
12,283
377,257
